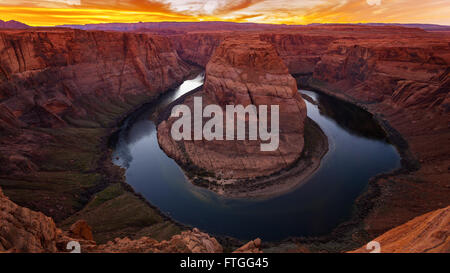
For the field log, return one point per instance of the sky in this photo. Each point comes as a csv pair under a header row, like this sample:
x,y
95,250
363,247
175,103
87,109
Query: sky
x,y
57,12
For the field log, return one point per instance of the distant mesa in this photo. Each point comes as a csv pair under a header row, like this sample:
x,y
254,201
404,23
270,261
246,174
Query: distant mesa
x,y
13,25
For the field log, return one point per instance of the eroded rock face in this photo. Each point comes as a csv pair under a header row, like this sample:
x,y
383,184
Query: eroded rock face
x,y
404,81
59,82
46,74
81,229
187,242
399,74
428,233
24,230
250,247
243,71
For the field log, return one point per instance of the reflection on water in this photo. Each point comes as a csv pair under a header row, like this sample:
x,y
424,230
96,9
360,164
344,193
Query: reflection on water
x,y
351,118
138,125
358,151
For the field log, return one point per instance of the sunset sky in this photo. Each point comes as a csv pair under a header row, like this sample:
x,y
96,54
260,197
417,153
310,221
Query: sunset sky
x,y
56,12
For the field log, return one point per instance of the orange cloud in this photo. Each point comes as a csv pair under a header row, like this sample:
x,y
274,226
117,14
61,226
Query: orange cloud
x,y
56,12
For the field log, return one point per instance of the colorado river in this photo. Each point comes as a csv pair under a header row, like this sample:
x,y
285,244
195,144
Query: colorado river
x,y
358,150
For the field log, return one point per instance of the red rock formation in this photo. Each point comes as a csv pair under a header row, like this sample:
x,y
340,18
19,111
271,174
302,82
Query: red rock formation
x,y
51,79
54,78
198,47
62,67
244,71
428,233
299,51
405,82
81,229
401,75
250,247
187,242
24,230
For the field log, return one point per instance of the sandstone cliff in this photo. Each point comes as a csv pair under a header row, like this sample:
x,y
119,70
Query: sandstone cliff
x,y
49,76
399,74
243,72
62,92
405,83
24,230
428,233
62,89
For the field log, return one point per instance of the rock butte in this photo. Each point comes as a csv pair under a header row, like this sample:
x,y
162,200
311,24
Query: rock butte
x,y
62,90
243,72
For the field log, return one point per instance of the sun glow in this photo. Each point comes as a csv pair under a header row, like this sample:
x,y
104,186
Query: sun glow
x,y
58,12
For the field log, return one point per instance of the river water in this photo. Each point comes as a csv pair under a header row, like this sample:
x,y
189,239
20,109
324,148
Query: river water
x,y
358,150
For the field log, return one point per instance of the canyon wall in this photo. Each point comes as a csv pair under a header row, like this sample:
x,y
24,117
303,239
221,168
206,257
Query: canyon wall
x,y
46,75
62,92
401,75
405,83
299,50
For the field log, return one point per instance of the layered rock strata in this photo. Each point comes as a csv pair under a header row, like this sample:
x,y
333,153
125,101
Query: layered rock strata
x,y
243,72
399,74
62,92
428,233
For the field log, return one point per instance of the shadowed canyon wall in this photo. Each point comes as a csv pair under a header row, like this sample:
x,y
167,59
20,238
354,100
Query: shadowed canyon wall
x,y
400,75
62,91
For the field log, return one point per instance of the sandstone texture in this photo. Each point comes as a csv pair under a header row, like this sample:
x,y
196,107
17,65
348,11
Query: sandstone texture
x,y
244,72
405,83
62,90
81,229
47,76
187,242
24,230
250,247
428,233
399,74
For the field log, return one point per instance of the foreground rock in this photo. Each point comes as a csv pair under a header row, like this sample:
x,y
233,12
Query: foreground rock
x,y
250,247
187,242
27,231
243,72
424,234
24,230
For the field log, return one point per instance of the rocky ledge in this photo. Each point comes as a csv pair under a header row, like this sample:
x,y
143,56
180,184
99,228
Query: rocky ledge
x,y
24,230
428,233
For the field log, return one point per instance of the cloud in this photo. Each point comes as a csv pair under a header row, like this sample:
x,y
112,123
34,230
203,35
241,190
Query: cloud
x,y
52,12
373,2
